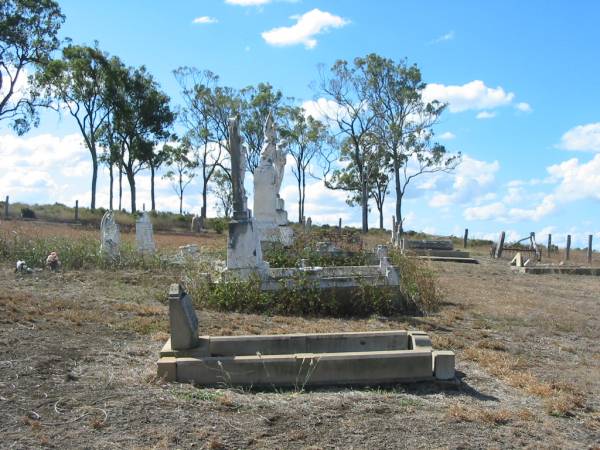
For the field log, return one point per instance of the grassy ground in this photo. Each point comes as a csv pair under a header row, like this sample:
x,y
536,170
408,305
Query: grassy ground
x,y
78,352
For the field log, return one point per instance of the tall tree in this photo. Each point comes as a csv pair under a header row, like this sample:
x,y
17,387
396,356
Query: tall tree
x,y
142,118
346,86
223,190
404,121
256,105
79,81
28,36
182,168
307,140
348,178
204,117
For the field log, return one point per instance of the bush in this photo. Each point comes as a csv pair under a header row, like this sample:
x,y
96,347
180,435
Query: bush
x,y
301,296
219,225
418,282
27,213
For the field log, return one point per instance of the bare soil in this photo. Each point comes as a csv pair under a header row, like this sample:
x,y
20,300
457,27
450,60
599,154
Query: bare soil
x,y
78,353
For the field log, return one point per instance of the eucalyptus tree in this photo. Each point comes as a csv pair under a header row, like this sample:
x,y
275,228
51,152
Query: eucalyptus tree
x,y
347,91
79,82
308,145
347,178
257,103
204,116
405,122
142,118
182,168
28,36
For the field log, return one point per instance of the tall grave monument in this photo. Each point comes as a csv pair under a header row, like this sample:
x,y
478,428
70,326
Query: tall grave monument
x,y
269,208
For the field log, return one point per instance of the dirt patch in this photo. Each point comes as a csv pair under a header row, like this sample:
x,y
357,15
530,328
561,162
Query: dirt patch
x,y
78,353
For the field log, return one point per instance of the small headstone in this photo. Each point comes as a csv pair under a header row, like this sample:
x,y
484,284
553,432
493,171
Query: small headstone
x,y
340,224
197,224
182,319
110,237
308,224
144,234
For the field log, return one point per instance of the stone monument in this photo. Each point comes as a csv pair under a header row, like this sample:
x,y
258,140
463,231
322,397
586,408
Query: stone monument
x,y
244,253
269,208
144,234
110,238
197,224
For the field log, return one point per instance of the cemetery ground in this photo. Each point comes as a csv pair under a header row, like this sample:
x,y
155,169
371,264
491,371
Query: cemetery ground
x,y
78,353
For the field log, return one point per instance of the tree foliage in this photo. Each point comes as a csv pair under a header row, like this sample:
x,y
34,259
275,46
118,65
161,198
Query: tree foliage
x,y
28,36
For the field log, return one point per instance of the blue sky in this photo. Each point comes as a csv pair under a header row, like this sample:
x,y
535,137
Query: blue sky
x,y
521,79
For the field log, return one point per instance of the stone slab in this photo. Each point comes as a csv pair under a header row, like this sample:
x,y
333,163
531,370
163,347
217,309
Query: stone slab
x,y
182,318
308,369
444,259
536,270
443,365
409,244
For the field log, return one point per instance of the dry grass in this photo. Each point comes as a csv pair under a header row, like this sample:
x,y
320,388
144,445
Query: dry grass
x,y
488,416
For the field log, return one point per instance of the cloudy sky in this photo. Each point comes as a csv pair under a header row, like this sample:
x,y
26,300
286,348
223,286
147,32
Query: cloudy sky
x,y
521,80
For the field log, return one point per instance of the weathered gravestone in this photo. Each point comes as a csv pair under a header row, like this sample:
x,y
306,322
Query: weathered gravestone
x,y
244,253
110,238
182,319
197,224
144,234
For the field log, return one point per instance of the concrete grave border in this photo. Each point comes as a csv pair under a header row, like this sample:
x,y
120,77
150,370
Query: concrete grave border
x,y
313,359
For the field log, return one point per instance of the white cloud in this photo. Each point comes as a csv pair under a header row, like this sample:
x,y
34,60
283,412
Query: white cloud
x,y
308,25
322,109
474,95
443,38
471,180
486,115
447,136
524,107
204,20
248,2
485,212
582,137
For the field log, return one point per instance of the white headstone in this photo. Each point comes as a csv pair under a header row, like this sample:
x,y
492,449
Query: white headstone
x,y
110,238
144,234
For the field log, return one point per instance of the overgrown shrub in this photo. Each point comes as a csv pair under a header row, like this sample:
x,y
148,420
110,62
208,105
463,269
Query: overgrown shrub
x,y
301,296
417,294
27,213
418,282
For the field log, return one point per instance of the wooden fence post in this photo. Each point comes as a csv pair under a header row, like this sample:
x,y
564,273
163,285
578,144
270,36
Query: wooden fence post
x,y
568,252
549,244
76,210
589,250
466,238
6,208
500,245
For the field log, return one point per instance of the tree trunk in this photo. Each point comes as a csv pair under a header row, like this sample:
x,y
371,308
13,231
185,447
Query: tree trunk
x,y
399,212
299,200
180,193
381,217
110,198
131,179
94,177
204,199
152,187
398,191
365,207
120,186
303,193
